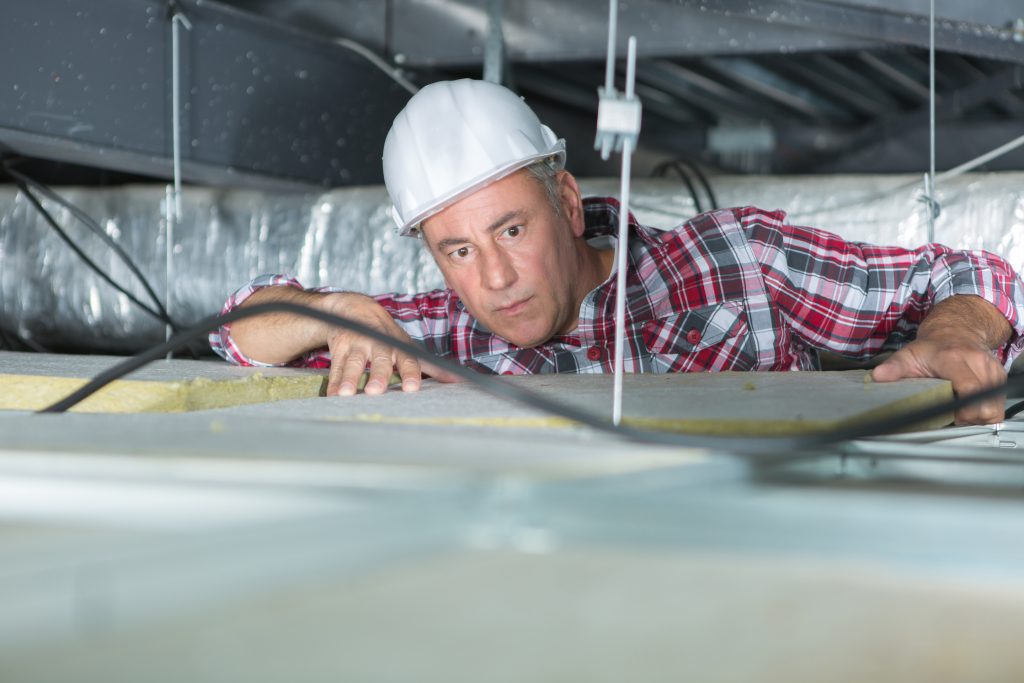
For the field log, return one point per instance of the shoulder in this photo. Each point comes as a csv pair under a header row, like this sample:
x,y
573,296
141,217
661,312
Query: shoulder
x,y
762,233
746,219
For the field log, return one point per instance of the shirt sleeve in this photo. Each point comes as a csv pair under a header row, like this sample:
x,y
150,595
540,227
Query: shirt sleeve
x,y
857,299
223,344
424,317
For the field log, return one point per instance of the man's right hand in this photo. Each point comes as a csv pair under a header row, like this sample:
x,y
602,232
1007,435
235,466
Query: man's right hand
x,y
351,352
281,337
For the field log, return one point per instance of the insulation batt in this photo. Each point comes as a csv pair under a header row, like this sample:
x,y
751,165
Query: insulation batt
x,y
346,237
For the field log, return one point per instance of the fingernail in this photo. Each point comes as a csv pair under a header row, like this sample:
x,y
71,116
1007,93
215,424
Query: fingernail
x,y
410,385
346,389
372,385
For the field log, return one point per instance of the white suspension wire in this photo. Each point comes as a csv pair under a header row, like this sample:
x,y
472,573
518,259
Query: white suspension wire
x,y
613,26
168,256
930,189
172,207
980,160
494,50
177,20
623,244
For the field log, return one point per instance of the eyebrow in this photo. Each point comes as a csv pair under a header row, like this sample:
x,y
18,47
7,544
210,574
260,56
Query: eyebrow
x,y
502,220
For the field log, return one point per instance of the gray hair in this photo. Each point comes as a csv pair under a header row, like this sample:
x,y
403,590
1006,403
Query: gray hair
x,y
545,172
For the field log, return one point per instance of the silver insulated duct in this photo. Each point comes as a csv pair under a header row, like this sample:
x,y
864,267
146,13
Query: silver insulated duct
x,y
345,238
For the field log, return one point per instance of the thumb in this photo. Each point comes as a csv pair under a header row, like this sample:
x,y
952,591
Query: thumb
x,y
894,368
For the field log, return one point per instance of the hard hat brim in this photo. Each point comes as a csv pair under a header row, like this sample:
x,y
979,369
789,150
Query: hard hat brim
x,y
412,225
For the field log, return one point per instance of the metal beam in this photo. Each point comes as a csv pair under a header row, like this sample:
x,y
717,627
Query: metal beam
x,y
829,18
1006,101
917,91
706,93
453,32
761,83
949,104
908,153
845,97
263,104
853,79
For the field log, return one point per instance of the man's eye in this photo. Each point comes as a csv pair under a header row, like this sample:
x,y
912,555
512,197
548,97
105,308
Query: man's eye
x,y
513,231
462,252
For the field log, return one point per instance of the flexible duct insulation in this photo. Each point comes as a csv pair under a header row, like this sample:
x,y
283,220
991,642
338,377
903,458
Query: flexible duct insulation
x,y
346,238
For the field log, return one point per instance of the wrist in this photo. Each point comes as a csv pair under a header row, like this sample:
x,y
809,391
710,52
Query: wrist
x,y
965,320
960,337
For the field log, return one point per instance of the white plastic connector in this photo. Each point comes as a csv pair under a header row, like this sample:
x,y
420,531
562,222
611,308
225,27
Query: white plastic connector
x,y
618,117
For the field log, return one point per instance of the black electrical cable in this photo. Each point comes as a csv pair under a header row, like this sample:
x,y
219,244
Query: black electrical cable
x,y
490,384
661,171
684,167
160,313
703,179
1014,410
94,227
78,251
509,391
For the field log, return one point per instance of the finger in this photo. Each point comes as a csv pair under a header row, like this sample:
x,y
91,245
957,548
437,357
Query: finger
x,y
380,370
984,412
351,370
991,410
334,376
409,371
440,374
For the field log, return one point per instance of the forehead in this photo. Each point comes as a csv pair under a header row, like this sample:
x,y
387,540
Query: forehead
x,y
518,192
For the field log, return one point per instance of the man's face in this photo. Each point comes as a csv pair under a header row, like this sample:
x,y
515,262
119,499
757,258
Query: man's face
x,y
512,260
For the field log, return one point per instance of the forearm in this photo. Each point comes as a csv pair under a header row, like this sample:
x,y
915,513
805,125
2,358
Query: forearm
x,y
275,338
858,299
966,317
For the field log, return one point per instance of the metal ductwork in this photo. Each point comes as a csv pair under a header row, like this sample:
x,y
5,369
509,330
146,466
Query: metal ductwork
x,y
346,238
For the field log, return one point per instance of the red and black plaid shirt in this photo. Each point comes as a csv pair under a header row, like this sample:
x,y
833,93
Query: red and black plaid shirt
x,y
734,289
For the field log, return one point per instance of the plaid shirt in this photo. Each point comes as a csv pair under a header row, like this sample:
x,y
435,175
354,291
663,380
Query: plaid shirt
x,y
733,289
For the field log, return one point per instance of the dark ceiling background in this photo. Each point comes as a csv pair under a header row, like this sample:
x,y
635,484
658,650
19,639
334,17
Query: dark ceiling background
x,y
740,86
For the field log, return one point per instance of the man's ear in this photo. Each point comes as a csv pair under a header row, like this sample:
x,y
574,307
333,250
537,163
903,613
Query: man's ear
x,y
572,202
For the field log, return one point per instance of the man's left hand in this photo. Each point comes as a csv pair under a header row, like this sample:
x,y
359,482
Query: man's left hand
x,y
956,341
964,361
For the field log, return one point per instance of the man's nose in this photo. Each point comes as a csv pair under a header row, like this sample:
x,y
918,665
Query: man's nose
x,y
497,270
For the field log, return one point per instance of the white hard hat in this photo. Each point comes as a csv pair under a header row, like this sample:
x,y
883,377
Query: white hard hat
x,y
454,137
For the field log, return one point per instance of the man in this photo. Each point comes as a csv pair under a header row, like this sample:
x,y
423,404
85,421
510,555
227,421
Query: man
x,y
473,172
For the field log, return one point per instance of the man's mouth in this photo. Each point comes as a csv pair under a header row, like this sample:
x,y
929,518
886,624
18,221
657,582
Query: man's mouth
x,y
514,308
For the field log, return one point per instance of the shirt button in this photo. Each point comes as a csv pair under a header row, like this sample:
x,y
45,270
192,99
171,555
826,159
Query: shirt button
x,y
693,336
594,353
